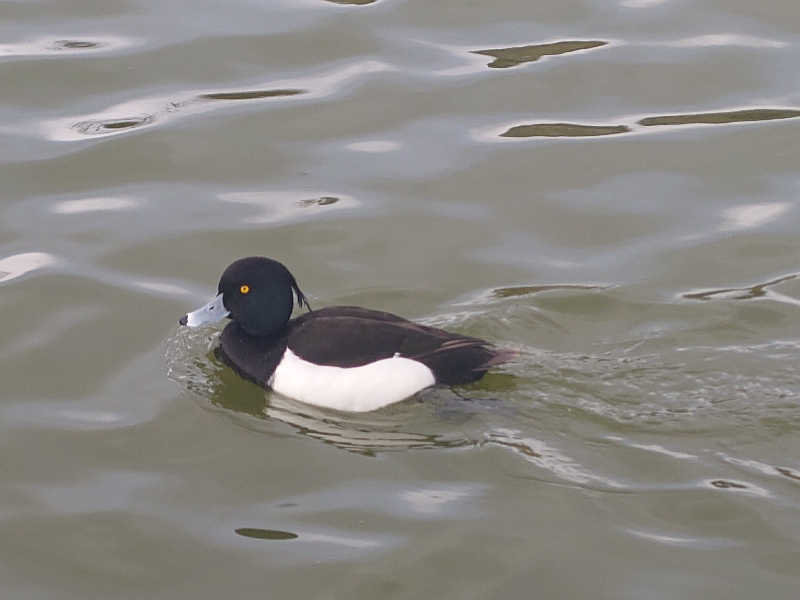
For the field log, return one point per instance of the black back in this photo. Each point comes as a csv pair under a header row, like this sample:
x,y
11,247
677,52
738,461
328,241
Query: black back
x,y
350,336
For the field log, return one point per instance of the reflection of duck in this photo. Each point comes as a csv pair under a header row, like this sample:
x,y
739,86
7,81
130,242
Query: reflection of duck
x,y
442,425
342,357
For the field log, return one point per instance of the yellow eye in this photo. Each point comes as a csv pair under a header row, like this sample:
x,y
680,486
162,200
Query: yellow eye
x,y
245,289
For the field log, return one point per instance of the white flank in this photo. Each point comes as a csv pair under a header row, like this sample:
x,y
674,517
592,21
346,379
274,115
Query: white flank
x,y
354,389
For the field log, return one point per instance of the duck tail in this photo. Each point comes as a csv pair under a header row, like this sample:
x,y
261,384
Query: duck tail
x,y
500,356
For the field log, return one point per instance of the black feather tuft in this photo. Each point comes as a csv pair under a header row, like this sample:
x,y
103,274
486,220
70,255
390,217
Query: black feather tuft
x,y
301,297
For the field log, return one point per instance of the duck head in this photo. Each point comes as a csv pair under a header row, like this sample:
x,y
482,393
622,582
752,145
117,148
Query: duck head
x,y
256,292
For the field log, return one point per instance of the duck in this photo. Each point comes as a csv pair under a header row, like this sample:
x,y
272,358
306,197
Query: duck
x,y
345,358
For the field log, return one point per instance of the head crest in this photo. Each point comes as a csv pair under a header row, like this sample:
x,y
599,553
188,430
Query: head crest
x,y
301,297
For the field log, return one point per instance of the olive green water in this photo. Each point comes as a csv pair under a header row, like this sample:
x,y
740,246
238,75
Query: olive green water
x,y
610,188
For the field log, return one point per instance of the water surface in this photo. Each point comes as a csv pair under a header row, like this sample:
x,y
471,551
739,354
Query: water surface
x,y
610,189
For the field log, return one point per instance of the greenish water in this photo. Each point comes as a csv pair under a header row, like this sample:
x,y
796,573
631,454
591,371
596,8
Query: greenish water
x,y
608,188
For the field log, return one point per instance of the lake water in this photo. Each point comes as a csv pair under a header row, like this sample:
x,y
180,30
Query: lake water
x,y
608,187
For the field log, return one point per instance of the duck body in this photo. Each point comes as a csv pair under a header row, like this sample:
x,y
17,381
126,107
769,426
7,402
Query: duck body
x,y
342,357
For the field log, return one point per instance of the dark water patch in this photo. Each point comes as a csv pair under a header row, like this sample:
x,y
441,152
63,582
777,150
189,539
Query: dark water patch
x,y
788,473
723,484
744,293
512,57
509,292
100,126
75,45
321,201
354,2
265,534
251,94
717,118
563,130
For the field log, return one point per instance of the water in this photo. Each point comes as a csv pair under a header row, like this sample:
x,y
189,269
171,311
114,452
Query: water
x,y
607,188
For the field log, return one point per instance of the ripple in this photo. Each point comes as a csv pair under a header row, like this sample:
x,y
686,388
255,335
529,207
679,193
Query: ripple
x,y
696,543
759,290
251,94
642,125
17,265
656,448
75,44
641,3
549,458
509,292
265,534
85,205
137,114
753,215
74,416
373,146
563,130
760,467
719,118
275,206
362,434
105,126
725,485
786,472
668,391
725,39
353,2
517,55
64,47
738,486
321,201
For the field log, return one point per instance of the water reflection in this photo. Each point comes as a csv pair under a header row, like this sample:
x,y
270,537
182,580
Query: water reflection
x,y
64,47
365,435
272,206
265,534
517,55
753,215
354,2
641,3
718,118
399,427
563,130
726,39
373,146
759,290
148,111
525,290
788,473
727,485
104,126
85,205
17,265
250,94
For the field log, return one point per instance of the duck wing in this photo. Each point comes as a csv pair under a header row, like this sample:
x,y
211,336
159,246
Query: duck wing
x,y
350,336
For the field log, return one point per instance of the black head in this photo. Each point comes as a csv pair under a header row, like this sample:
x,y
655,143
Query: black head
x,y
258,292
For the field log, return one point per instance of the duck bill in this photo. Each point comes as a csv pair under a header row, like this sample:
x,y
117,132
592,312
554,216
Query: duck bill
x,y
210,313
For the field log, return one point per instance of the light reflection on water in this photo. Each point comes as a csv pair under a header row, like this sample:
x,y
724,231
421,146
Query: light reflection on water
x,y
609,189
